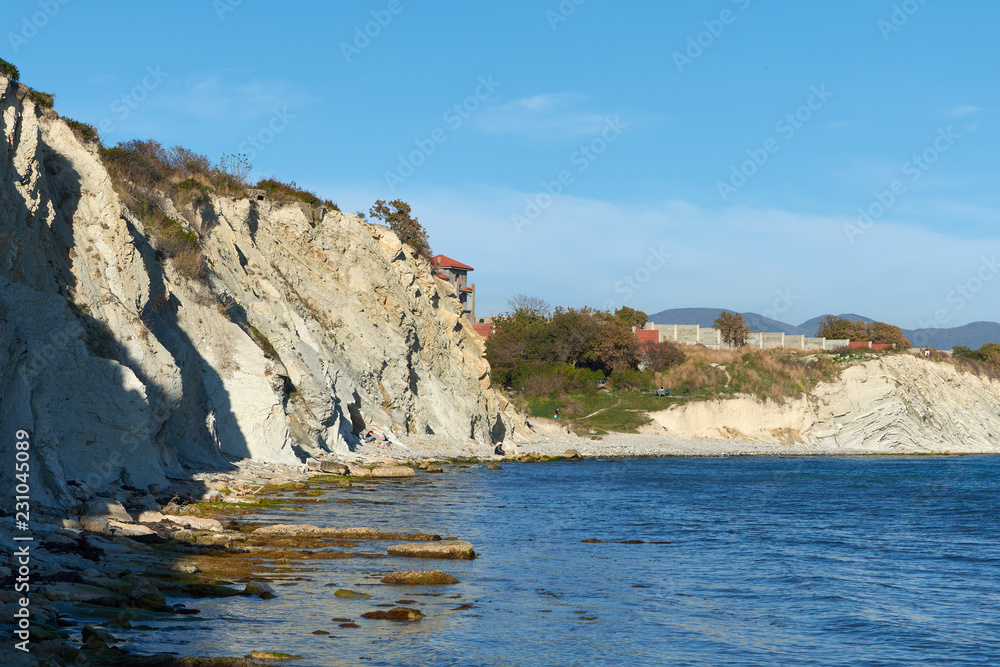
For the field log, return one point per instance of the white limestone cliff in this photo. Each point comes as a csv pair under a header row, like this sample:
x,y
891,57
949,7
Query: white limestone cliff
x,y
304,331
896,403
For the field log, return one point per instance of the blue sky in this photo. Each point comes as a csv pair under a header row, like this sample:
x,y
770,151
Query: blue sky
x,y
650,154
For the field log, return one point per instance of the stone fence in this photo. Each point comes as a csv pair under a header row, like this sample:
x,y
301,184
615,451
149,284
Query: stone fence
x,y
692,334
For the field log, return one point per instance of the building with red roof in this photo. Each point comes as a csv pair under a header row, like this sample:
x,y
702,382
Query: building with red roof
x,y
457,274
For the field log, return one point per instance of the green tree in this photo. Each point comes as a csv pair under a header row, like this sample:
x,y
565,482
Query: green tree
x,y
733,328
509,341
396,215
632,317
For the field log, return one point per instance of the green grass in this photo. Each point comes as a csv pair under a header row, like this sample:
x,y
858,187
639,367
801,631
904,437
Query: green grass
x,y
617,411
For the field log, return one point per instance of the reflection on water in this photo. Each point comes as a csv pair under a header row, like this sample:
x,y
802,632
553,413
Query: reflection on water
x,y
822,561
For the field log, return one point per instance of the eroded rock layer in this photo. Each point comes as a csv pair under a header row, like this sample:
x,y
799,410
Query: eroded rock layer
x,y
897,403
309,327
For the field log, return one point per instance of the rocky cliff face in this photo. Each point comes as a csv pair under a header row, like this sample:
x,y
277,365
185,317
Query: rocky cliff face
x,y
307,328
897,403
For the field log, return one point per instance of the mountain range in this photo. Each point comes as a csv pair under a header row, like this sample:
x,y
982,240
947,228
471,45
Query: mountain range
x,y
972,335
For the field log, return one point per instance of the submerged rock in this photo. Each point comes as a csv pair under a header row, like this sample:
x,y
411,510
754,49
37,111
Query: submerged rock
x,y
419,578
395,614
272,656
345,593
258,588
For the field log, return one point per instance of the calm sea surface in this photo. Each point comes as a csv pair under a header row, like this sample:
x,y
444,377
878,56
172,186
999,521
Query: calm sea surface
x,y
764,561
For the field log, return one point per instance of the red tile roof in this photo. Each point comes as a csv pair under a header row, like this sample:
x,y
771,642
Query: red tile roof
x,y
449,263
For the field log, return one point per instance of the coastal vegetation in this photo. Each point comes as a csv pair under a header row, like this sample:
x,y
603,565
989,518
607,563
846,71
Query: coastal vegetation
x,y
539,353
396,215
9,70
878,333
986,358
733,328
700,374
588,369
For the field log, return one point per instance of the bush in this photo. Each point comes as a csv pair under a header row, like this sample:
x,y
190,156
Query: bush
x,y
187,162
144,163
44,100
536,378
659,357
628,380
190,190
84,132
279,191
988,355
9,71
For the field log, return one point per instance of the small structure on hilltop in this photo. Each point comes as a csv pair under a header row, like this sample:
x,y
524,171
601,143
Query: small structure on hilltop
x,y
458,275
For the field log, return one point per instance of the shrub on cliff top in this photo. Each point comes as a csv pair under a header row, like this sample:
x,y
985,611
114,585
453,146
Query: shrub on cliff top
x,y
44,100
279,191
9,70
83,131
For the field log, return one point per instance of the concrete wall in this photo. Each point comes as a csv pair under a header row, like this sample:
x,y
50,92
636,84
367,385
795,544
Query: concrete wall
x,y
692,334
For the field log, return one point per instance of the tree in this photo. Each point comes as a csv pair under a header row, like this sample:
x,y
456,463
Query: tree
x,y
841,328
396,215
531,304
887,334
733,327
661,356
613,347
509,341
632,317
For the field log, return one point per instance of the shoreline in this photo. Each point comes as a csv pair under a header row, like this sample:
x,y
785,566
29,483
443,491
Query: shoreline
x,y
121,552
554,443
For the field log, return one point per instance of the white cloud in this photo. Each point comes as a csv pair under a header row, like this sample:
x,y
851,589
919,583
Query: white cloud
x,y
552,116
964,110
227,95
583,251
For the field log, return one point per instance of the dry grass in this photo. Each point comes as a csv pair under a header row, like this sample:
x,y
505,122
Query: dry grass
x,y
767,374
190,263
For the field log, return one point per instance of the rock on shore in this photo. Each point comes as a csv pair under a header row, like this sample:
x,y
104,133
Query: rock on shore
x,y
419,578
446,549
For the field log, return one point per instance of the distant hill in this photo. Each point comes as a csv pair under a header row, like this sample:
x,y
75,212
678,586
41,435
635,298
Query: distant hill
x,y
810,327
706,316
972,335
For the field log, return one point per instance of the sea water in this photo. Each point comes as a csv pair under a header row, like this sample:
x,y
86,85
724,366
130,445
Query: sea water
x,y
732,561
